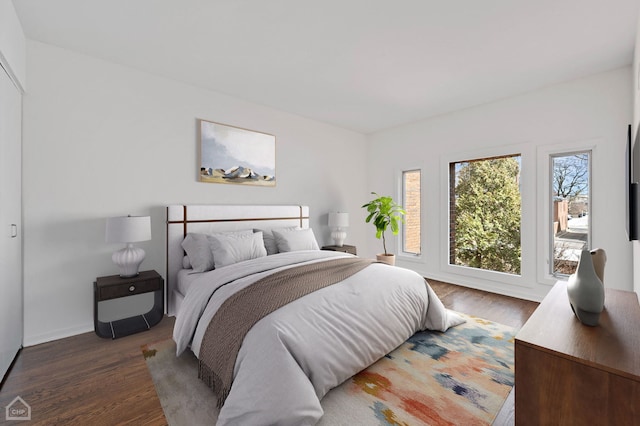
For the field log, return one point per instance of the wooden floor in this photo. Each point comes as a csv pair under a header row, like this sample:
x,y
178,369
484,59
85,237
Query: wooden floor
x,y
87,380
494,307
502,309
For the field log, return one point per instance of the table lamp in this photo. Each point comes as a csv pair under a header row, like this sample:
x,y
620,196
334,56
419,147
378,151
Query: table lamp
x,y
128,229
337,221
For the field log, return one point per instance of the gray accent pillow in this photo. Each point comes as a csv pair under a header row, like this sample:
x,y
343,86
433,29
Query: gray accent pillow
x,y
270,240
198,249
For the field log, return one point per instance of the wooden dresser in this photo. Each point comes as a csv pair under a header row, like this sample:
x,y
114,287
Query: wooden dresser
x,y
568,373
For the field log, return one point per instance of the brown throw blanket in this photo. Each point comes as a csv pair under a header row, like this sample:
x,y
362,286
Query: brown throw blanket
x,y
233,320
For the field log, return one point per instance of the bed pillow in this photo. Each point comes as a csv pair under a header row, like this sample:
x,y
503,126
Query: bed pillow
x,y
234,248
186,264
198,249
296,239
270,240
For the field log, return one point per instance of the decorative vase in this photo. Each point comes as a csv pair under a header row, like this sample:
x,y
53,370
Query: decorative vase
x,y
586,291
599,258
389,259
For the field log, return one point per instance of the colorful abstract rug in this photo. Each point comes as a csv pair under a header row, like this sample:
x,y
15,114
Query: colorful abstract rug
x,y
461,377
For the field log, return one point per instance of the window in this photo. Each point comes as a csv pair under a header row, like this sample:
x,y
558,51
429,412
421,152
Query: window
x,y
570,196
485,214
411,201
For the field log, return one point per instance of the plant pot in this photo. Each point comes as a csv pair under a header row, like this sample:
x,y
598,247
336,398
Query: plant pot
x,y
389,259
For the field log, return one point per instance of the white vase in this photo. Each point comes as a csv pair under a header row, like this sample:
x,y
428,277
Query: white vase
x,y
586,291
599,258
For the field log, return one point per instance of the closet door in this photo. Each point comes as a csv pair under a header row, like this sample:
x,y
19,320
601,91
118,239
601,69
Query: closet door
x,y
11,305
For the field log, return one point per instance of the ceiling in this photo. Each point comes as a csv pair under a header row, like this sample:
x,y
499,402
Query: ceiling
x,y
364,65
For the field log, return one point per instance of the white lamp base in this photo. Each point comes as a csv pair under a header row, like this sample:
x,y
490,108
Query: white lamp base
x,y
128,260
338,237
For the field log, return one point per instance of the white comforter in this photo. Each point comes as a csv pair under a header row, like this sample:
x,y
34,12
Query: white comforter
x,y
291,358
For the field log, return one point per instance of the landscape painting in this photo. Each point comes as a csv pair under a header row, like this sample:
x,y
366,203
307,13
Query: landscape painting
x,y
230,154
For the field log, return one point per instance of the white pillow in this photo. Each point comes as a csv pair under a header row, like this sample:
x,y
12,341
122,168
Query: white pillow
x,y
270,240
295,239
234,248
198,249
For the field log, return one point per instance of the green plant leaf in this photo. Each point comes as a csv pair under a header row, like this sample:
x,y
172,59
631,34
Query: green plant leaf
x,y
384,213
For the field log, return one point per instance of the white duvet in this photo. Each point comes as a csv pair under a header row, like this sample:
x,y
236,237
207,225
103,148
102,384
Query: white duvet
x,y
291,358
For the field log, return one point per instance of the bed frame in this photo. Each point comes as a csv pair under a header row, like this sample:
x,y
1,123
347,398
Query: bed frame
x,y
208,219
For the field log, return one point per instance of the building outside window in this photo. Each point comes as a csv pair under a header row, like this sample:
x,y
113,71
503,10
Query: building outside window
x,y
411,194
570,209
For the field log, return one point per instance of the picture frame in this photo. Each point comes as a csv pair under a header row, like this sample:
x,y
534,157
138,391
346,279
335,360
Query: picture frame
x,y
234,155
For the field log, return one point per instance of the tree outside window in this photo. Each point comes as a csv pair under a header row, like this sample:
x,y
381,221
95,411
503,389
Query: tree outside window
x,y
570,195
485,214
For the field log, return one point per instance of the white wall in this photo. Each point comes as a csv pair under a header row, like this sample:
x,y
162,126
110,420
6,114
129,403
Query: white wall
x,y
12,44
593,110
103,140
636,150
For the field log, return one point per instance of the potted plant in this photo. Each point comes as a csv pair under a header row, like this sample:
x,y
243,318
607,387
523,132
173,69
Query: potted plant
x,y
384,212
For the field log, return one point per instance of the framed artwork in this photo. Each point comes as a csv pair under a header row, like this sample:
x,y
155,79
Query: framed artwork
x,y
230,154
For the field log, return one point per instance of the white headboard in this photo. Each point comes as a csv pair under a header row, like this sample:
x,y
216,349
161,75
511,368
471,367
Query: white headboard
x,y
208,219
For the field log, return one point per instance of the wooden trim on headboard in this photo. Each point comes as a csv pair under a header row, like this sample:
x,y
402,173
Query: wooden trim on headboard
x,y
184,227
301,216
185,221
166,267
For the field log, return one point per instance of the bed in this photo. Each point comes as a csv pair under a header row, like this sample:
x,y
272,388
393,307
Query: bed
x,y
271,355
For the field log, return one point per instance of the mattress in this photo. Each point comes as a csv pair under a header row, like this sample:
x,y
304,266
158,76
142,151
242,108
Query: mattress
x,y
185,278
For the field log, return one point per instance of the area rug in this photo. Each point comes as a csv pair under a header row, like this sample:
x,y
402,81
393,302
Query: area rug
x,y
459,377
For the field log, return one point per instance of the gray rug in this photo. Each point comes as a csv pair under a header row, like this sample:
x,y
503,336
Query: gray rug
x,y
185,399
462,376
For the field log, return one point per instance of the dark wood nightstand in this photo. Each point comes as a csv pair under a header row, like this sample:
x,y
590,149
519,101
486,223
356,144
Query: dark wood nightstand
x,y
113,287
345,249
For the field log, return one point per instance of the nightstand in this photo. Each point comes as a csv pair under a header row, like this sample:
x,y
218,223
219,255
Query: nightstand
x,y
345,249
113,287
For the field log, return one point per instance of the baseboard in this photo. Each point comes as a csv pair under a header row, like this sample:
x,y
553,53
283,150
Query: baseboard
x,y
37,339
6,374
479,284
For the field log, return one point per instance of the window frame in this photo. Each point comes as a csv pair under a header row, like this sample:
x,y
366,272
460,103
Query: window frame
x,y
401,255
453,178
557,275
545,156
527,219
402,197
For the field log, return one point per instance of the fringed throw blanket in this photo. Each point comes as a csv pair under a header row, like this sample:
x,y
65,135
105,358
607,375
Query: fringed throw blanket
x,y
233,320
